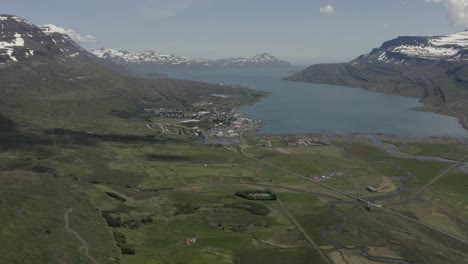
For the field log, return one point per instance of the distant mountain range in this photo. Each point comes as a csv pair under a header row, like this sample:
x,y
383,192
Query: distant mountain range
x,y
428,67
149,62
36,62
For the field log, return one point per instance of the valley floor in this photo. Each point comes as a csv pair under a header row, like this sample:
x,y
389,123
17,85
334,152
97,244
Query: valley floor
x,y
173,201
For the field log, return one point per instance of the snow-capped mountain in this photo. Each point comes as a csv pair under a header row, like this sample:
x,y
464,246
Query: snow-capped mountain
x,y
165,62
22,42
405,50
428,67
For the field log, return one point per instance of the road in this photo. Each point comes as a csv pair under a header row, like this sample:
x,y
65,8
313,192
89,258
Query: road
x,y
311,242
435,179
83,244
241,150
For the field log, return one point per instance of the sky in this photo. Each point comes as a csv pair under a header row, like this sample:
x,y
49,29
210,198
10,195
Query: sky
x,y
300,31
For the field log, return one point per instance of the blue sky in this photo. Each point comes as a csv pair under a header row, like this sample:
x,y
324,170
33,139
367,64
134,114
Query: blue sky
x,y
295,30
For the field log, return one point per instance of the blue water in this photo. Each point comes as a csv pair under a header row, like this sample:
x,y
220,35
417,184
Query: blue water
x,y
295,107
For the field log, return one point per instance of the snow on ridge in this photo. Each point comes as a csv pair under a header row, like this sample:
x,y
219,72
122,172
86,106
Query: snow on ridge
x,y
158,58
451,47
458,39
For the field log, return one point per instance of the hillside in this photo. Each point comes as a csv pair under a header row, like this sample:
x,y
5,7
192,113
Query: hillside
x,y
434,69
61,108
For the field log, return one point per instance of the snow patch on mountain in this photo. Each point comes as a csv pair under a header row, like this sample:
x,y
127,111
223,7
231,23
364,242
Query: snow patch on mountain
x,y
21,41
403,50
9,46
151,57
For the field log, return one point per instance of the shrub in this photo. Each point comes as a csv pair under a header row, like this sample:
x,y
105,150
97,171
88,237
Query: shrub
x,y
112,221
186,209
116,196
133,224
120,238
127,250
147,220
251,207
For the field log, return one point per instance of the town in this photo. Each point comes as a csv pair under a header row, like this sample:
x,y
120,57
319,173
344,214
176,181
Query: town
x,y
201,122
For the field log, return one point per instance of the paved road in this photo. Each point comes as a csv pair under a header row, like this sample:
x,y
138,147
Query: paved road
x,y
354,197
83,244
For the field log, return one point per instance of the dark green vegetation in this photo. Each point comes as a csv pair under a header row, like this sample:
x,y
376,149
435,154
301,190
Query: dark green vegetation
x,y
257,195
155,190
449,150
84,179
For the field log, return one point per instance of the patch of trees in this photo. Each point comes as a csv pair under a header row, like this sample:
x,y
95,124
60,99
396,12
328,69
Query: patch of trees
x,y
257,195
131,223
184,209
253,208
166,157
116,196
147,220
122,243
111,220
44,169
114,220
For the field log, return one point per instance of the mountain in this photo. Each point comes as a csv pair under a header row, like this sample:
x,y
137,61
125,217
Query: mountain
x,y
434,68
21,41
45,71
410,50
149,62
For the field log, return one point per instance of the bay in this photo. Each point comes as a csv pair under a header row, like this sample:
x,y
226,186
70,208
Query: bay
x,y
296,107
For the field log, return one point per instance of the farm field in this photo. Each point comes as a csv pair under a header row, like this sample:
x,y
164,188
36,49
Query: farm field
x,y
143,200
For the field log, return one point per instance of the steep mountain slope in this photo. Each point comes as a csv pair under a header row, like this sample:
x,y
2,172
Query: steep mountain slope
x,y
432,68
149,62
21,41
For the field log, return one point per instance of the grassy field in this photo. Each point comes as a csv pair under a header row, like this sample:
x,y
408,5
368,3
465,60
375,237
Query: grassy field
x,y
449,151
137,195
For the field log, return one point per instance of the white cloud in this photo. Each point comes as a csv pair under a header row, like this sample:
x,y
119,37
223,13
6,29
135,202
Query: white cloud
x,y
457,11
79,38
327,10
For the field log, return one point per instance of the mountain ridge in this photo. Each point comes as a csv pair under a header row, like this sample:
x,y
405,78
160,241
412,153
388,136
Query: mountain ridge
x,y
432,68
150,61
